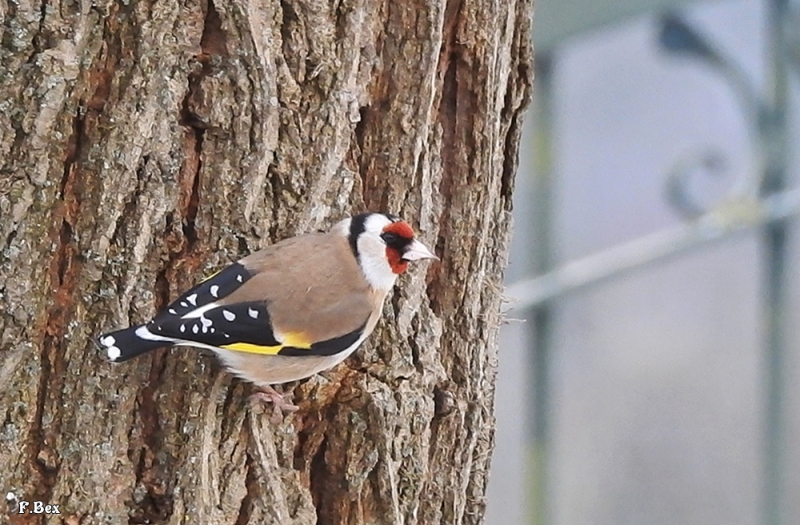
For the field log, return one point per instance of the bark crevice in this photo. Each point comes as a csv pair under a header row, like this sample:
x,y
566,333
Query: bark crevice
x,y
251,483
63,276
153,498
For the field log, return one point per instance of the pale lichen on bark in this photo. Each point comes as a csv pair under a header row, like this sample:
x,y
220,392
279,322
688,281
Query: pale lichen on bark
x,y
143,144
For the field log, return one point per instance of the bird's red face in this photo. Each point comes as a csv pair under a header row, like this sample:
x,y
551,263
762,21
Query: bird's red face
x,y
383,246
401,247
397,236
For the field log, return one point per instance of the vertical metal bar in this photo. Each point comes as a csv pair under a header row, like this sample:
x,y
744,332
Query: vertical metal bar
x,y
773,134
542,314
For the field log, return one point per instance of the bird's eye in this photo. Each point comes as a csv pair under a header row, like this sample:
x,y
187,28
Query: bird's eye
x,y
389,238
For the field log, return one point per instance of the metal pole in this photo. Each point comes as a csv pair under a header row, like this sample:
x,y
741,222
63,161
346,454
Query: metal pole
x,y
774,145
542,314
721,223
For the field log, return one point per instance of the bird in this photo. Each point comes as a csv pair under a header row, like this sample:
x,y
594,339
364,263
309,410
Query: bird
x,y
284,313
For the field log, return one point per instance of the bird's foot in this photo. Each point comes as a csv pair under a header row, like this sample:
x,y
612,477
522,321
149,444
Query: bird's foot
x,y
267,394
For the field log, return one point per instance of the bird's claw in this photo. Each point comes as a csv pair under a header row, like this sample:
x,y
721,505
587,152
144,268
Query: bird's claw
x,y
279,403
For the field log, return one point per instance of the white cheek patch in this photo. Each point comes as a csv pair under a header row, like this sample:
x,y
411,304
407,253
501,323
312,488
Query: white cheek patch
x,y
378,273
372,254
374,264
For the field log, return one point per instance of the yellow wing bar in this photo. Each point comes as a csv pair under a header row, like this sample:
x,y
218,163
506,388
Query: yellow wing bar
x,y
291,339
254,349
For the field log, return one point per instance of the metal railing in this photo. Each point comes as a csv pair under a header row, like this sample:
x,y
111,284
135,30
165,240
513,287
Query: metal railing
x,y
760,200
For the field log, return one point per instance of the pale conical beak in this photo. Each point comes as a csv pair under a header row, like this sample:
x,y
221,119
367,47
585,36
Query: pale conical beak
x,y
416,251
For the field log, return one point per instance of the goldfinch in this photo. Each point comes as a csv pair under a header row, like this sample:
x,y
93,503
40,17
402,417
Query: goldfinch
x,y
293,309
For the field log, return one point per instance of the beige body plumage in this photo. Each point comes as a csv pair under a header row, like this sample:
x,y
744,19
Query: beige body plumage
x,y
329,295
290,310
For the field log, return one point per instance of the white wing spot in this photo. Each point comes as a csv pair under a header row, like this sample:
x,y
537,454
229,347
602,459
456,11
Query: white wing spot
x,y
143,333
108,340
192,299
211,329
159,328
230,316
114,353
214,290
199,311
172,311
205,329
206,322
253,313
184,304
226,335
195,328
183,328
239,278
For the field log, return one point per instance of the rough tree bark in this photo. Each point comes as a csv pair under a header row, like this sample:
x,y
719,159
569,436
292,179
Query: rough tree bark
x,y
146,143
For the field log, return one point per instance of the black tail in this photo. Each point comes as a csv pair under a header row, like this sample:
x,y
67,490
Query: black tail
x,y
129,343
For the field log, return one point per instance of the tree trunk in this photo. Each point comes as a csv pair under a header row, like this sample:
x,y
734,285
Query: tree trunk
x,y
145,144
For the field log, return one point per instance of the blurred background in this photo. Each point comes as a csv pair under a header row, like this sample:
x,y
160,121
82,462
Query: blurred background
x,y
650,368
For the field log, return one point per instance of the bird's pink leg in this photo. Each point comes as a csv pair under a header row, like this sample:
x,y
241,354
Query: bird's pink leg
x,y
267,394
